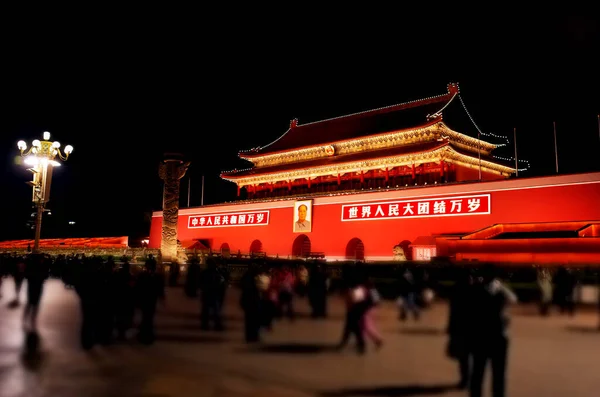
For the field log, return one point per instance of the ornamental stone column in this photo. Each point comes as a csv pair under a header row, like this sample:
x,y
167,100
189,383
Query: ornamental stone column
x,y
171,170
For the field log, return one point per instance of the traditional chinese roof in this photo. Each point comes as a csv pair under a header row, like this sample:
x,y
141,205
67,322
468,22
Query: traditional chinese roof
x,y
193,244
405,115
424,241
404,155
345,158
433,131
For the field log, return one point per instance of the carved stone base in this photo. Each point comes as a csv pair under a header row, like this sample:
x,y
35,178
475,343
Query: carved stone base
x,y
399,254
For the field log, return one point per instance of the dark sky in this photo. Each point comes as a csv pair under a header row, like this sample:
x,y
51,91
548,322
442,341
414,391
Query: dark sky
x,y
123,93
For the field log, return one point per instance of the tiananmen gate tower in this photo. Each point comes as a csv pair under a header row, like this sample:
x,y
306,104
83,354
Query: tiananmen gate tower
x,y
395,183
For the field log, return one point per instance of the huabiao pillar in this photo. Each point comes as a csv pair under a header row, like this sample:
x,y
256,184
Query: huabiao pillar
x,y
171,170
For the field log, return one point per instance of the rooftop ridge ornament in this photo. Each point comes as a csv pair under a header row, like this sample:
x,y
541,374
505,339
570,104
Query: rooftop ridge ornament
x,y
293,123
452,88
435,116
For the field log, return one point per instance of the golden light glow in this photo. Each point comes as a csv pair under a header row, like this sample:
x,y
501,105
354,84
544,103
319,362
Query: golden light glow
x,y
41,158
428,133
445,153
45,149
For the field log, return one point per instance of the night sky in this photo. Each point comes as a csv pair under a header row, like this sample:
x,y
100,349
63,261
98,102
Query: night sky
x,y
123,95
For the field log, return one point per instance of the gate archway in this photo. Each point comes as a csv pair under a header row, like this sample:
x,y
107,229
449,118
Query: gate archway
x,y
355,250
405,244
256,247
301,246
225,250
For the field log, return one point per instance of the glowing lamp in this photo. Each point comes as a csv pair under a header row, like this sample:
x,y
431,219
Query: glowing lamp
x,y
33,161
42,156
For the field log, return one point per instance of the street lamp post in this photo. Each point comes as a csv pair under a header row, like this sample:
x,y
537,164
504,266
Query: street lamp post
x,y
42,157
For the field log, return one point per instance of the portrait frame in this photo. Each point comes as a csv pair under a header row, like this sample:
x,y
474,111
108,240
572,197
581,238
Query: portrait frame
x,y
305,226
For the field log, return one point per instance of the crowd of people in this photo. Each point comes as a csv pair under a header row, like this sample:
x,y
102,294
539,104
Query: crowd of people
x,y
35,269
110,293
268,293
478,329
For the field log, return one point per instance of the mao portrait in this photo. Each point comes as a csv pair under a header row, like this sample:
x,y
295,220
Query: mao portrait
x,y
302,216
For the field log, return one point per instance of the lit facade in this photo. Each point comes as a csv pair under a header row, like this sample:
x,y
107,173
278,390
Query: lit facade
x,y
394,183
394,146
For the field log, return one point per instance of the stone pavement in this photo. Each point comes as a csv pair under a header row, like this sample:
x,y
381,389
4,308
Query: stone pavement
x,y
556,356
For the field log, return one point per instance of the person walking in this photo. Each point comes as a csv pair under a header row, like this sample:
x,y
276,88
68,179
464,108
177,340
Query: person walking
x,y
544,281
250,301
368,324
18,273
150,290
355,297
36,272
124,284
490,340
407,296
460,327
317,291
212,283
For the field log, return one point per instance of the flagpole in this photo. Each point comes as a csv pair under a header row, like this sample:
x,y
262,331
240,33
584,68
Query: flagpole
x,y
479,152
516,161
599,126
189,188
202,197
555,146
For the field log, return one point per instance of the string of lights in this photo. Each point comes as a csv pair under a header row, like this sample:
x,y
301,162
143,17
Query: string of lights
x,y
439,112
492,135
512,159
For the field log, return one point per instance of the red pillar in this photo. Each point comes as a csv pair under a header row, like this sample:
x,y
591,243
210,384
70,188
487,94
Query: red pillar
x,y
339,179
362,177
290,185
414,172
387,175
442,165
309,183
238,190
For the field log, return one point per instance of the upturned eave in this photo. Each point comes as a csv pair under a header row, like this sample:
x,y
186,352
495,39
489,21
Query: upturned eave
x,y
445,153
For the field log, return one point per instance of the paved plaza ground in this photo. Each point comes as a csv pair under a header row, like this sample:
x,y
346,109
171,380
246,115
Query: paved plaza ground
x,y
556,356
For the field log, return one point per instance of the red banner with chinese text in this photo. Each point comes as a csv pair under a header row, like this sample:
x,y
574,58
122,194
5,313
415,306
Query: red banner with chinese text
x,y
479,204
256,218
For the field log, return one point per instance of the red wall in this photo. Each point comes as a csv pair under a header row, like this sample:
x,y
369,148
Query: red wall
x,y
525,251
472,174
519,200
